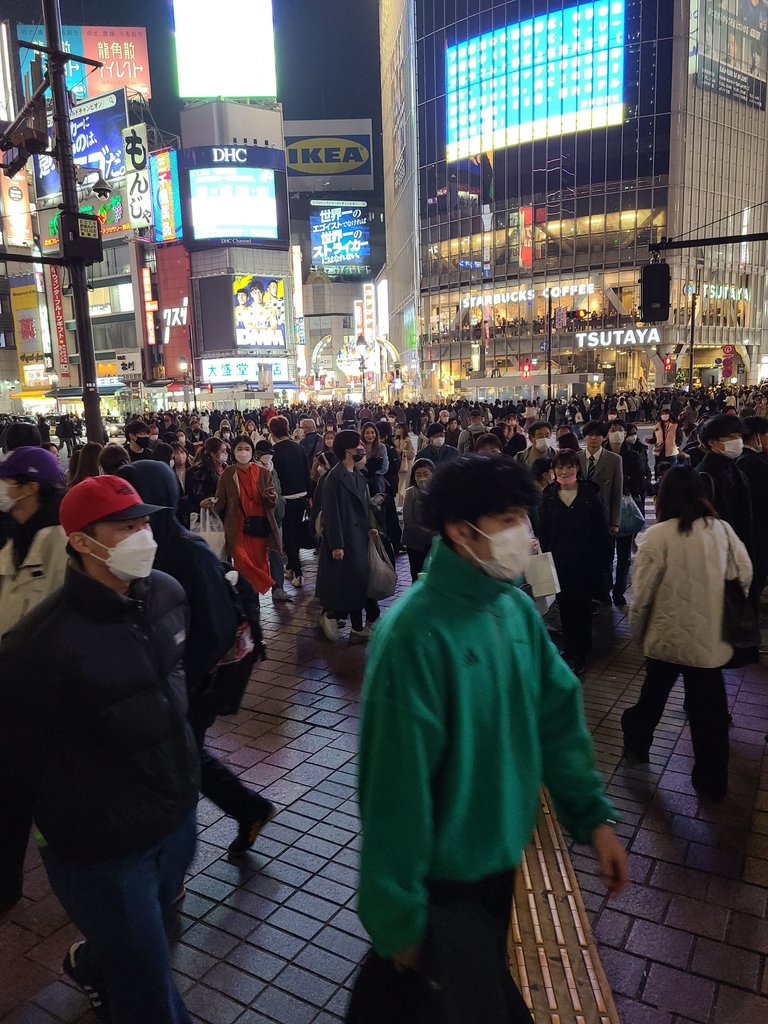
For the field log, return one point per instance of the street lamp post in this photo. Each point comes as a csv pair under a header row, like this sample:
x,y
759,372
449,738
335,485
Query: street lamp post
x,y
184,367
54,379
362,375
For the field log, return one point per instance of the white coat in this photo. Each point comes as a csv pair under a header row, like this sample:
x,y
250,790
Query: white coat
x,y
677,591
40,574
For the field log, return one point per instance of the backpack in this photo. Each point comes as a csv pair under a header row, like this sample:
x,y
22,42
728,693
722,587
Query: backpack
x,y
232,673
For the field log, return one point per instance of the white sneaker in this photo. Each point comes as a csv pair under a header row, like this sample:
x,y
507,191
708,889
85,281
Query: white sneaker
x,y
329,626
289,575
359,636
281,594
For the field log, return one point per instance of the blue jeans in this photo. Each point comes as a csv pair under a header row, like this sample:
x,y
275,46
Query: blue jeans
x,y
119,906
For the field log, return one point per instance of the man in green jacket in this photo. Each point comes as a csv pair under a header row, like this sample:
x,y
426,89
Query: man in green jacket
x,y
465,719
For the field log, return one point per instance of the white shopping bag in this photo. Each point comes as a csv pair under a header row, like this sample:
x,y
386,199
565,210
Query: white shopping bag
x,y
210,527
541,575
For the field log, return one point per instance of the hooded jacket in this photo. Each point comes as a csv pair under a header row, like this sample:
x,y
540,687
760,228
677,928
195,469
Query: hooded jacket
x,y
186,557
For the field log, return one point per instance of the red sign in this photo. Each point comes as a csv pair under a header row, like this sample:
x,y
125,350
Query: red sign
x,y
57,300
124,57
728,350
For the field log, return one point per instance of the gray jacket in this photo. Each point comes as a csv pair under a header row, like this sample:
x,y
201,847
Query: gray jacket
x,y
609,477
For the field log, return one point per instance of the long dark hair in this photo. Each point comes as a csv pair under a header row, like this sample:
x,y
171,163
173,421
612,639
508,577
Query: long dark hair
x,y
682,497
376,444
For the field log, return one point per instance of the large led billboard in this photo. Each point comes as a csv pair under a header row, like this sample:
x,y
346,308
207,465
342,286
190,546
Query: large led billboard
x,y
259,303
235,195
166,197
729,48
550,75
225,50
341,240
329,155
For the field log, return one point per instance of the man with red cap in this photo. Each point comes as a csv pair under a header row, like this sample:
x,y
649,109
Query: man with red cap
x,y
94,741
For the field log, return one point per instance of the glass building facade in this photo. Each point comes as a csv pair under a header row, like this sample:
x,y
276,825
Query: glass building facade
x,y
556,141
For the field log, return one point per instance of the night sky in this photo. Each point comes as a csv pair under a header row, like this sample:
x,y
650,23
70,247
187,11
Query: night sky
x,y
327,53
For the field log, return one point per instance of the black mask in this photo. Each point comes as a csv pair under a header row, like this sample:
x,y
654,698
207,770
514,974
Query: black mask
x,y
142,442
358,456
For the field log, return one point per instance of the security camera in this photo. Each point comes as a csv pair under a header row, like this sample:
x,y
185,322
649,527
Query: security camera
x,y
101,188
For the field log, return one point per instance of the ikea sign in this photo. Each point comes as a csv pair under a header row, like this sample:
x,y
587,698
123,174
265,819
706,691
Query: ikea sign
x,y
328,155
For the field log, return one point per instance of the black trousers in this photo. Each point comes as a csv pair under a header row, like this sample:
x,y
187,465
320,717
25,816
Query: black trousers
x,y
371,609
416,560
294,512
576,618
706,706
623,546
219,783
14,837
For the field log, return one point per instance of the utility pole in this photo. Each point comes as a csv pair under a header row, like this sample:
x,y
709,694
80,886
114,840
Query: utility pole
x,y
57,60
549,348
694,297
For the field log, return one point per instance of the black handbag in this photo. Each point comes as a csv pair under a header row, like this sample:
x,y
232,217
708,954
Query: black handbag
x,y
256,526
740,624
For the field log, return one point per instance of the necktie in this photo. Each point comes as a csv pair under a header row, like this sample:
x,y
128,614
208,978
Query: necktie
x,y
591,467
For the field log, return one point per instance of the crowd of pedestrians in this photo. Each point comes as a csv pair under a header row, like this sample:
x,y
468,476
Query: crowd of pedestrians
x,y
142,565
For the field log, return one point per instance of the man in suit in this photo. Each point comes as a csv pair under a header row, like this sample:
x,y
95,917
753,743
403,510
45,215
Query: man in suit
x,y
604,468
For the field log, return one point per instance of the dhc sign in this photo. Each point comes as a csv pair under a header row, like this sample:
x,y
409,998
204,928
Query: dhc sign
x,y
620,339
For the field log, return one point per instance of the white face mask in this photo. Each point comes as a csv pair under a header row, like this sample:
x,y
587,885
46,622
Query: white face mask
x,y
617,437
541,444
266,461
733,448
244,457
6,501
132,558
438,441
223,457
423,484
510,552
632,439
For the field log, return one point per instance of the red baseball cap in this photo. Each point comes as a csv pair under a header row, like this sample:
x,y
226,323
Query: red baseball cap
x,y
101,499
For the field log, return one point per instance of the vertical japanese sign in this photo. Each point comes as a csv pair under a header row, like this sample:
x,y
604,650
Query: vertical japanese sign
x,y
59,326
166,199
150,305
16,224
359,318
526,236
369,312
137,175
29,340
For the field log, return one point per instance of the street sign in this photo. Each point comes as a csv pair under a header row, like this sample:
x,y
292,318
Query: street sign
x,y
728,350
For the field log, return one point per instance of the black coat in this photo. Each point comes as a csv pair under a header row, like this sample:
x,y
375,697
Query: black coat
x,y
634,471
727,487
577,536
94,738
200,482
347,519
754,465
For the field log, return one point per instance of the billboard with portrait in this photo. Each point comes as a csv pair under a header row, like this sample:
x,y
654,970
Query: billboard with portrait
x,y
549,75
230,54
166,195
341,241
96,127
121,50
259,311
729,48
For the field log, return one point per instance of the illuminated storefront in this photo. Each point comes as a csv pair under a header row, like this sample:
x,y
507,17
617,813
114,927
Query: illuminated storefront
x,y
552,151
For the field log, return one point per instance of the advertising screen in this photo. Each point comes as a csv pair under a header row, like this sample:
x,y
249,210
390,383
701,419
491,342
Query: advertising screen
x,y
259,311
121,50
230,55
242,370
341,241
233,202
166,197
97,140
235,195
729,48
551,75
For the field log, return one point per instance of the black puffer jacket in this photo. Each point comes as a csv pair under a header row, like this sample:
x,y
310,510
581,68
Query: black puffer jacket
x,y
94,738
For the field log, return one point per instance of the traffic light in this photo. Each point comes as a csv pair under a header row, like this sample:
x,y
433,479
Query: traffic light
x,y
210,389
577,314
654,293
667,362
525,368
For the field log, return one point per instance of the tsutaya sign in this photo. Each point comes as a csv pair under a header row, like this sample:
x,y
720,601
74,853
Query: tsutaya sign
x,y
621,338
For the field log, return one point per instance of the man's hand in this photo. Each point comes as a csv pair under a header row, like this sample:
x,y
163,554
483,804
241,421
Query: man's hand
x,y
407,959
373,534
208,503
338,554
614,531
612,858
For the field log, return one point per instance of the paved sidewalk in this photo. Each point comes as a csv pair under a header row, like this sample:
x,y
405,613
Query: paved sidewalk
x,y
274,939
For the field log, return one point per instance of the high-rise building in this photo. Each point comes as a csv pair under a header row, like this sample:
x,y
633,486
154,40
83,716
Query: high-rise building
x,y
556,140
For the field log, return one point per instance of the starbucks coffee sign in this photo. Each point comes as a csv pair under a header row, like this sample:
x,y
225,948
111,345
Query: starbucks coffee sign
x,y
620,338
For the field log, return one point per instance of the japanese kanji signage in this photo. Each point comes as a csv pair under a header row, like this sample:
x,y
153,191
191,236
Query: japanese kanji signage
x,y
341,241
29,339
137,175
242,370
97,141
59,325
121,50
